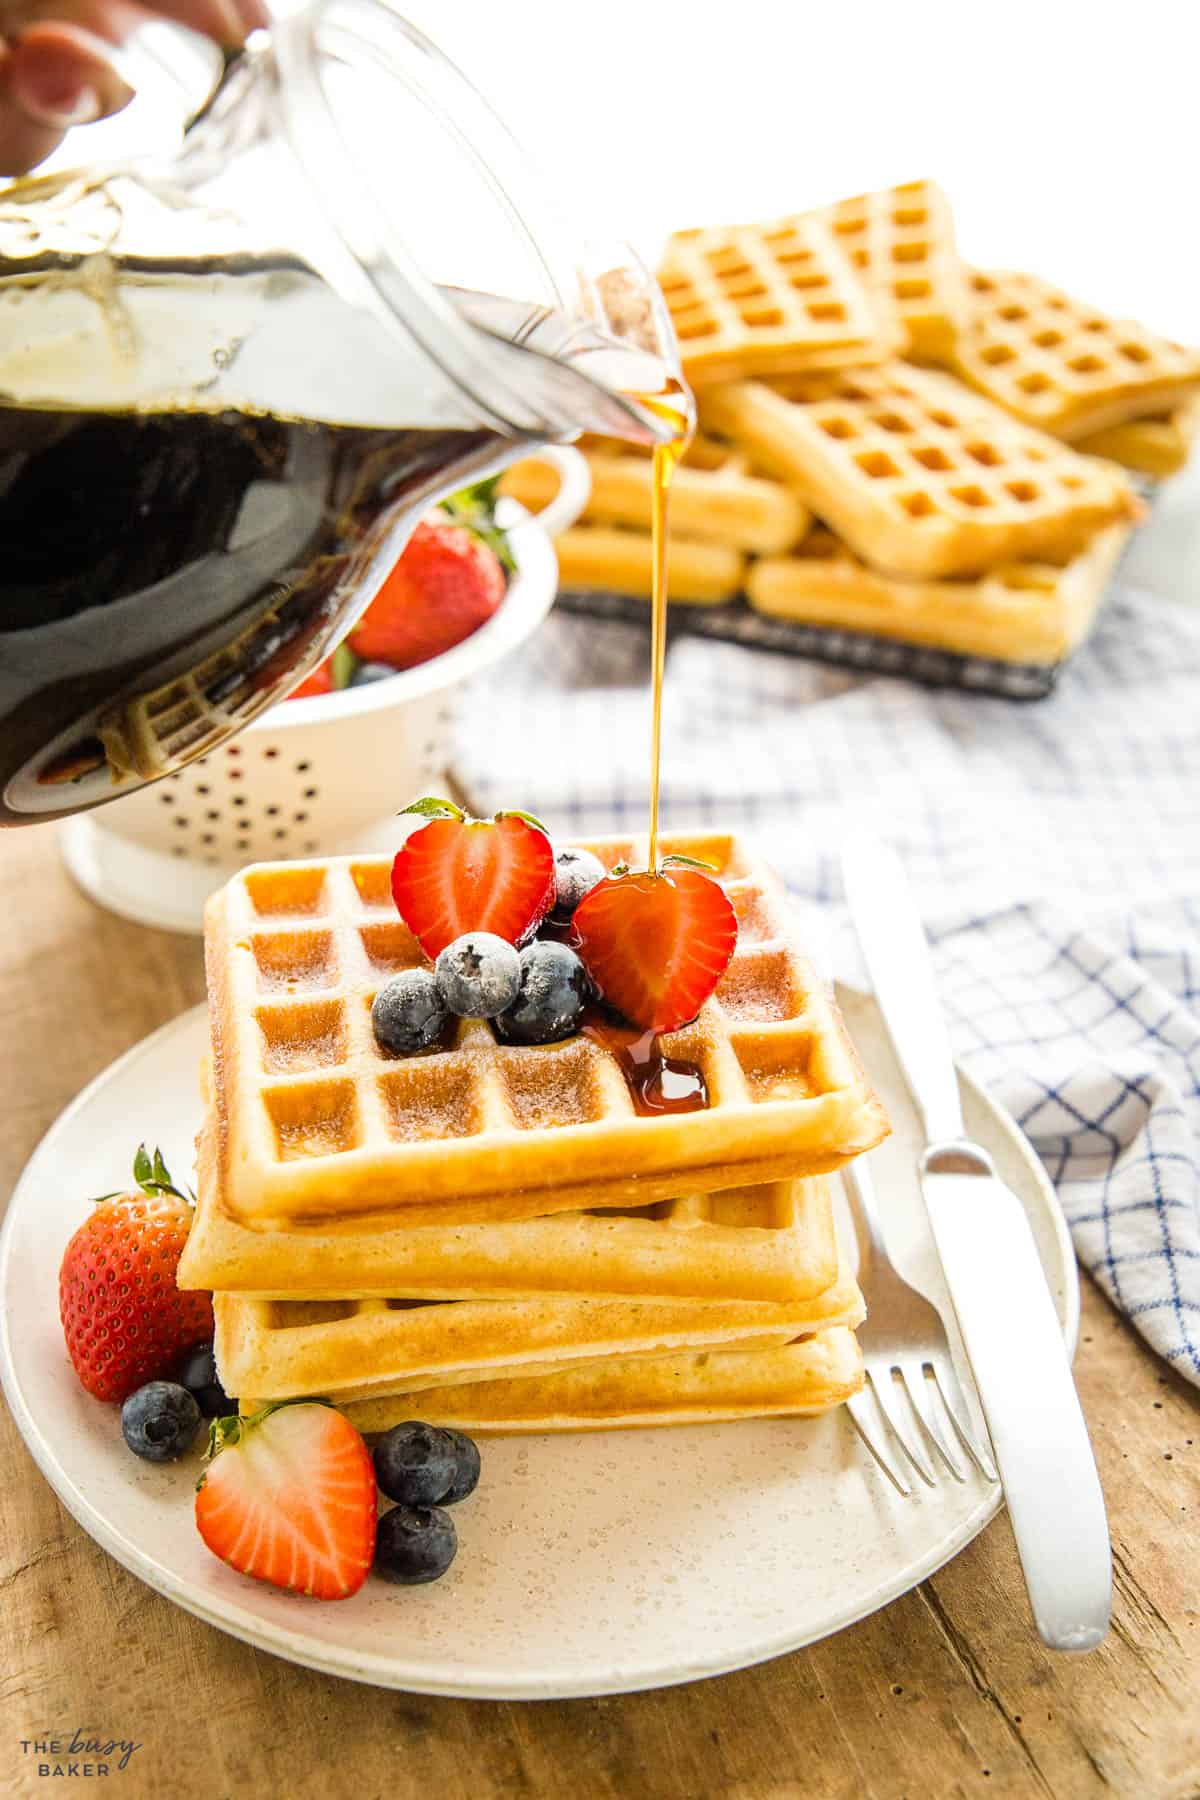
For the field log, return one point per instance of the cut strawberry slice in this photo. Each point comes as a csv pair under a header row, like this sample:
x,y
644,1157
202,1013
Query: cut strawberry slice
x,y
458,874
289,1498
656,944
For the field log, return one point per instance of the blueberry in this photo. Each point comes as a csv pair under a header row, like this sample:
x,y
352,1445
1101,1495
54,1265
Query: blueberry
x,y
466,1467
159,1421
414,1543
198,1374
554,989
577,872
367,672
408,1012
478,975
415,1464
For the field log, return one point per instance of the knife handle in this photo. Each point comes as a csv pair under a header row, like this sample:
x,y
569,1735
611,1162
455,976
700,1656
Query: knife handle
x,y
896,952
1023,1377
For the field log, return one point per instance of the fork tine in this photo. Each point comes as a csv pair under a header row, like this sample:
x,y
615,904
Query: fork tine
x,y
954,1400
907,1443
856,1408
912,1373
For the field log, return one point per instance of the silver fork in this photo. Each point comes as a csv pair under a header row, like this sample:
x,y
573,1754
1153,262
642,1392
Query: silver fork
x,y
905,1350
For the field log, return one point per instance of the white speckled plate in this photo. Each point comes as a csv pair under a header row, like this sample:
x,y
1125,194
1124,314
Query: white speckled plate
x,y
587,1565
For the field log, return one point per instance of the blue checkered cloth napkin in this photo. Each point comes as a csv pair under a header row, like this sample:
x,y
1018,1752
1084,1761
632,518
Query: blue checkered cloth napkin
x,y
1054,848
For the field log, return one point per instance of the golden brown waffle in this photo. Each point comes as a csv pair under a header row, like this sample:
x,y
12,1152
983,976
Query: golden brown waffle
x,y
1059,364
1157,446
1020,612
356,1349
775,1243
314,1120
918,475
715,496
614,559
693,1388
901,241
766,299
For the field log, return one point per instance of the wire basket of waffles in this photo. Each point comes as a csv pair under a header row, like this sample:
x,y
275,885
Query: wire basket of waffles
x,y
904,465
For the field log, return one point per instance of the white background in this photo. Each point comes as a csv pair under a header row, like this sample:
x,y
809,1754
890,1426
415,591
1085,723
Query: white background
x,y
1066,133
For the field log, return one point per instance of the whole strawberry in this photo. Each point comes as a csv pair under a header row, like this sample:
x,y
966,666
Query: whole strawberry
x,y
447,584
124,1320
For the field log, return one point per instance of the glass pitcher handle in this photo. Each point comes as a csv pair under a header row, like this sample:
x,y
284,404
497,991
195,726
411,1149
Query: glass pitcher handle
x,y
574,488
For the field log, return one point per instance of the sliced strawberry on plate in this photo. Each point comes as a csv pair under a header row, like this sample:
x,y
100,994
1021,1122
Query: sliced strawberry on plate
x,y
656,944
124,1320
289,1497
457,874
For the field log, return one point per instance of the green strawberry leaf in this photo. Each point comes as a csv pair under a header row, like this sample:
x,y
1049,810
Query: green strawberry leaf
x,y
475,507
676,860
432,808
342,665
143,1168
512,812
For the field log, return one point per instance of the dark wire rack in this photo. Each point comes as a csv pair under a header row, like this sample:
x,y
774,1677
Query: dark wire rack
x,y
736,622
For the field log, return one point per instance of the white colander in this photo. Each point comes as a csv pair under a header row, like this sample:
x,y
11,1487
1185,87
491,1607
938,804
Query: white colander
x,y
317,776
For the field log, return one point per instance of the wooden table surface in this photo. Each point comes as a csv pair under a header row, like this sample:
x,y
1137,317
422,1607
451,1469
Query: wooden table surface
x,y
946,1692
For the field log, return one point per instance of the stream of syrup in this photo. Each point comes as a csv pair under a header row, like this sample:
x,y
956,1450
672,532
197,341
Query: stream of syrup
x,y
677,408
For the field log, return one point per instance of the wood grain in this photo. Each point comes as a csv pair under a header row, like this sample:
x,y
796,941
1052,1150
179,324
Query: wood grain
x,y
945,1693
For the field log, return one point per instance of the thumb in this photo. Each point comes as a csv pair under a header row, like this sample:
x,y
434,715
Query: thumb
x,y
55,76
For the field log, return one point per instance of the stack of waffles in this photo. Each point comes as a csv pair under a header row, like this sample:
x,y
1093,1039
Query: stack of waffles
x,y
892,443
496,1237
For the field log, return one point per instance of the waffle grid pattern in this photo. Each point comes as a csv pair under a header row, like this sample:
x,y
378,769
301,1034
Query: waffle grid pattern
x,y
745,298
919,476
901,241
1061,365
315,1119
717,498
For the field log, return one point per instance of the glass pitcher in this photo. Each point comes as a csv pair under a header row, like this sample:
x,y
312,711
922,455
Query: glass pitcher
x,y
231,384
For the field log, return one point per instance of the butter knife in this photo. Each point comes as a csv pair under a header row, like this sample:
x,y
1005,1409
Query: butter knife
x,y
996,1281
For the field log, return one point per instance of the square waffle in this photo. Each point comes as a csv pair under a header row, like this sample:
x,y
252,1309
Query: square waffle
x,y
356,1349
1157,446
1059,364
775,1242
716,498
918,475
313,1119
901,241
1020,612
766,299
701,1387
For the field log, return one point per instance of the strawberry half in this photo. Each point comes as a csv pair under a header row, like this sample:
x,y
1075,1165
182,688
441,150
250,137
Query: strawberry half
x,y
124,1319
458,874
656,945
289,1497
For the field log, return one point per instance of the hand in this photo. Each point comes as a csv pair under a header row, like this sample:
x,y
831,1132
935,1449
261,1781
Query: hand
x,y
54,62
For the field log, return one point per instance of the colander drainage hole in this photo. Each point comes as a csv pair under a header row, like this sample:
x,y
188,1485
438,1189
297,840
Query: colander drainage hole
x,y
239,799
310,794
212,814
271,811
167,799
181,821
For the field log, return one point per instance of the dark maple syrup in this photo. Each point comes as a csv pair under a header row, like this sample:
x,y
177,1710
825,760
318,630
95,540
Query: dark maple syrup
x,y
657,1083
